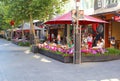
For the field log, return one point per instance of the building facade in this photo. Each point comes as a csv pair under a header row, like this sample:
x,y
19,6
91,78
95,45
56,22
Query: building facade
x,y
103,6
86,5
109,11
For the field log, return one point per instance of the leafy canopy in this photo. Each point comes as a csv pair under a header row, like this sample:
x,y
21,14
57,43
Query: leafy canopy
x,y
22,9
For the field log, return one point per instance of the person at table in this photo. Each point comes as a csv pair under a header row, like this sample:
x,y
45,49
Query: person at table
x,y
89,41
96,38
70,45
58,38
52,36
99,44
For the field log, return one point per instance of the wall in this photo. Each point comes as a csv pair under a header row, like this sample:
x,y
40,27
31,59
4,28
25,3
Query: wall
x,y
86,5
103,6
116,30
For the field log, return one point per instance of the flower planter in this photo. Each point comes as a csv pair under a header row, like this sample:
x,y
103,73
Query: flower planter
x,y
64,59
100,58
34,49
85,58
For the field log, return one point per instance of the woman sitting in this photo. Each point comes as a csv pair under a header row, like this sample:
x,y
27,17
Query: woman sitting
x,y
99,44
99,47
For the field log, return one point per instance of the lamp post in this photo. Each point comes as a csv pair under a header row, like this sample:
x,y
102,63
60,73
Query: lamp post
x,y
77,36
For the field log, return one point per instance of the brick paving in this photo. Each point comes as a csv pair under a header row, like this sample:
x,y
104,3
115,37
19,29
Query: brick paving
x,y
19,64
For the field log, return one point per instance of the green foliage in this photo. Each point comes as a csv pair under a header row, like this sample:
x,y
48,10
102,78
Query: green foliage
x,y
4,20
109,51
18,10
65,55
41,9
24,43
58,53
113,51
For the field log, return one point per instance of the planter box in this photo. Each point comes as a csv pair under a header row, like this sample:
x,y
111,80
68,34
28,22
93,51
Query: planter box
x,y
100,58
34,49
69,59
65,59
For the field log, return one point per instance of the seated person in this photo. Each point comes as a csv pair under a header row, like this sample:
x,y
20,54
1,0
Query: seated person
x,y
99,44
112,42
99,47
70,45
54,44
45,43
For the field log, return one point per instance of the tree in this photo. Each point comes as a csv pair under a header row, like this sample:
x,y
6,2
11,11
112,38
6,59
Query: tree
x,y
29,10
4,21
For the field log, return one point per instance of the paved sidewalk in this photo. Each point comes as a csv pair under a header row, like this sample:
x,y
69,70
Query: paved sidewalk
x,y
19,64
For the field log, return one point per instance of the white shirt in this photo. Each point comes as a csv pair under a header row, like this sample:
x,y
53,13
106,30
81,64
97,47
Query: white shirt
x,y
52,35
100,45
89,39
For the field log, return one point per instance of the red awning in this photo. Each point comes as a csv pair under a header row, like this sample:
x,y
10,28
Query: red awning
x,y
67,19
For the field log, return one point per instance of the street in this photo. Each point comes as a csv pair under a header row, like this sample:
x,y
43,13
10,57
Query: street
x,y
19,64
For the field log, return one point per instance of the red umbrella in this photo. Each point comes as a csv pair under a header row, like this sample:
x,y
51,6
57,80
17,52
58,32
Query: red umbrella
x,y
67,19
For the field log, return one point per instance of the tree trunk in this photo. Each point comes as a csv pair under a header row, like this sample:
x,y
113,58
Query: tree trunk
x,y
32,32
23,30
12,32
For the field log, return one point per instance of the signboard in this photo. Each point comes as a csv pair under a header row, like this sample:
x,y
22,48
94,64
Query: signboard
x,y
105,4
111,3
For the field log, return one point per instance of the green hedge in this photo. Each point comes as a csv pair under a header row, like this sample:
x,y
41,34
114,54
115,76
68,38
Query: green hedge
x,y
24,43
109,51
113,51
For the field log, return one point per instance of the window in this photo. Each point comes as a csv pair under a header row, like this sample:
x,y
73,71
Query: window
x,y
111,3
